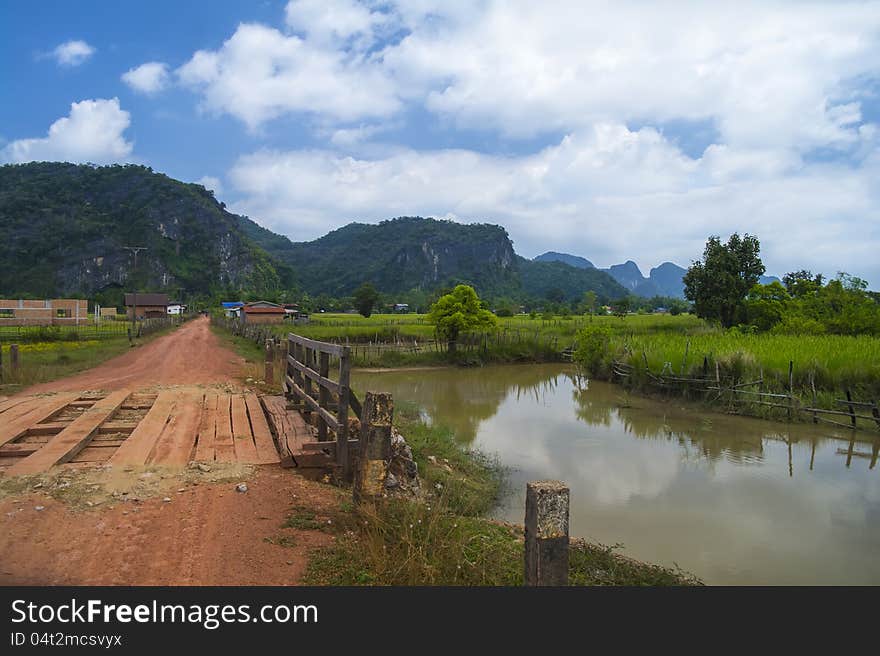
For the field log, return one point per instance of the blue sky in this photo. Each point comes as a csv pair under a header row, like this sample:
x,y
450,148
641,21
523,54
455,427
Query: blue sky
x,y
610,130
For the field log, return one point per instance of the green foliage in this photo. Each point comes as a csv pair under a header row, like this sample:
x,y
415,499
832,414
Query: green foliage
x,y
766,304
65,226
365,298
458,312
593,352
719,284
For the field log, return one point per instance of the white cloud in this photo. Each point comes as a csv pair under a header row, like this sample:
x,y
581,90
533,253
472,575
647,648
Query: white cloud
x,y
92,132
782,86
260,74
211,183
73,53
606,193
149,78
333,21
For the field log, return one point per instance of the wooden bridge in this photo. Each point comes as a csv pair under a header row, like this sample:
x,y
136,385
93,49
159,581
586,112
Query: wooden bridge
x,y
307,427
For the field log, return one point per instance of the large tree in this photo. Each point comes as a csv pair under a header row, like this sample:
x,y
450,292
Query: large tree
x,y
365,298
718,285
457,312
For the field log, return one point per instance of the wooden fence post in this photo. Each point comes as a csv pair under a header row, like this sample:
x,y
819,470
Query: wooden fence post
x,y
852,411
269,374
374,446
1,363
546,554
342,455
13,358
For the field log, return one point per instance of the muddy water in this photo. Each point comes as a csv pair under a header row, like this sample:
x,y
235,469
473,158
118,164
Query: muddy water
x,y
734,500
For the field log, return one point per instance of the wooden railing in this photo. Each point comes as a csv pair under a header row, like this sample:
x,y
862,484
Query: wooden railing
x,y
312,390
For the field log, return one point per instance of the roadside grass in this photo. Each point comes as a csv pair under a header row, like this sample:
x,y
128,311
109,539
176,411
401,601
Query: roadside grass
x,y
45,361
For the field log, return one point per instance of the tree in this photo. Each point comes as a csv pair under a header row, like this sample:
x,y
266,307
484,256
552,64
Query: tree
x,y
803,283
766,305
458,312
621,307
365,298
590,299
718,285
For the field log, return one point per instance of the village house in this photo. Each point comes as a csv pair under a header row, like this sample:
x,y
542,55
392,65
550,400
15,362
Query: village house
x,y
49,312
232,309
149,306
262,312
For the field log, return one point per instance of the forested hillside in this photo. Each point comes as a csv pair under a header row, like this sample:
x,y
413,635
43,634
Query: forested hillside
x,y
65,227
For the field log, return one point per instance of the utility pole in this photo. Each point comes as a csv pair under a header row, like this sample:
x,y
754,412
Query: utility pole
x,y
135,250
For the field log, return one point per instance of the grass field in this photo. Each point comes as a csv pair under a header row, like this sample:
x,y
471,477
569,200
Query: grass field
x,y
676,344
103,330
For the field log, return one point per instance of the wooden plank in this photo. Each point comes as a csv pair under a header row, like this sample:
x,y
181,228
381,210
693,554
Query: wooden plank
x,y
47,429
94,453
321,380
140,444
175,446
50,406
266,451
224,449
242,435
290,429
8,404
314,405
118,427
207,430
18,450
332,349
66,444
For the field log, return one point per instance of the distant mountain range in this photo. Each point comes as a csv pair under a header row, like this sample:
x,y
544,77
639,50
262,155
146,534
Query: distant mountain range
x,y
66,228
663,280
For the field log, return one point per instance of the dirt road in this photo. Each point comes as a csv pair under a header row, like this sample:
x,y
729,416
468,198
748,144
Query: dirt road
x,y
207,533
192,354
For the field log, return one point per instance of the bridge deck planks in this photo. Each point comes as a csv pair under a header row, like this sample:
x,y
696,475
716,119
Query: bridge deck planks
x,y
266,452
243,437
181,425
207,429
70,441
224,449
13,429
175,446
137,448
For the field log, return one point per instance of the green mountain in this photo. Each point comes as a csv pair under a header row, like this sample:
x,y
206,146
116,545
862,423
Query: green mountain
x,y
546,279
572,260
65,227
408,253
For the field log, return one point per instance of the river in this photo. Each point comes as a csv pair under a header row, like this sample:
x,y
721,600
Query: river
x,y
734,500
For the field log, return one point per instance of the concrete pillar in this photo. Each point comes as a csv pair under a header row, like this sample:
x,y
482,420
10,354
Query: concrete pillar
x,y
546,553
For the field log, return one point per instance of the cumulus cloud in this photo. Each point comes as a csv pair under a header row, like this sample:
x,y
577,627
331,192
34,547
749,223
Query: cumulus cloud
x,y
260,73
604,192
149,78
92,132
790,156
73,53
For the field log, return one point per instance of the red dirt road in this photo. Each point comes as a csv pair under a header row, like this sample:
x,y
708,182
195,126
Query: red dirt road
x,y
191,355
209,534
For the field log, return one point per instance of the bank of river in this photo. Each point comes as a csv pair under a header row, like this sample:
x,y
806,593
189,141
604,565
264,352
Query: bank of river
x,y
734,500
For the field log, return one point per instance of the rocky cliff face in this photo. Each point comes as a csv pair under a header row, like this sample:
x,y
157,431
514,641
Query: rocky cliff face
x,y
66,227
399,255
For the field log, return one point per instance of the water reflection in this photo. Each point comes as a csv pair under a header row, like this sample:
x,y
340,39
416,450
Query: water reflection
x,y
733,499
